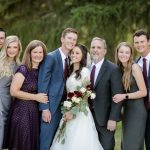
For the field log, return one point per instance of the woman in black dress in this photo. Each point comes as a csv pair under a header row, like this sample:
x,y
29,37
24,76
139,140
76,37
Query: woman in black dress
x,y
24,116
134,112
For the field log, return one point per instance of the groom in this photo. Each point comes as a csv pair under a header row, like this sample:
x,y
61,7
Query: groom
x,y
52,82
107,82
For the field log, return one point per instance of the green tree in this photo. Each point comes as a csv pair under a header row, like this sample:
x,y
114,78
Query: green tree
x,y
112,20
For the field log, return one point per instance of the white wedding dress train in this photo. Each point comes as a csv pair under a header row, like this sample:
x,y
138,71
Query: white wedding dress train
x,y
80,132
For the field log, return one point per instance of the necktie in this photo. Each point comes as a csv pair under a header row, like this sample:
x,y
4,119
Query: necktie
x,y
93,76
146,82
66,69
66,72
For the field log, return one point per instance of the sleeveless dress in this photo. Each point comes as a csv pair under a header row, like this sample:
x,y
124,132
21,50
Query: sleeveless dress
x,y
80,132
23,123
134,122
5,101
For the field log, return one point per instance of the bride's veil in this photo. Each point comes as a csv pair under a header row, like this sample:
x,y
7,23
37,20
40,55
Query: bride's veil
x,y
88,61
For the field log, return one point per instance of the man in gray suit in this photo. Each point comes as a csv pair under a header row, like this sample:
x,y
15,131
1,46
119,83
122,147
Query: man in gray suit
x,y
52,79
107,83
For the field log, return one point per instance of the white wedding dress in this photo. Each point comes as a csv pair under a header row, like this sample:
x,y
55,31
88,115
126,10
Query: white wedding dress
x,y
80,132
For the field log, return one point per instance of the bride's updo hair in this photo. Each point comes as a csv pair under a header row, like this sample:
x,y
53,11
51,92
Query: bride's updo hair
x,y
83,62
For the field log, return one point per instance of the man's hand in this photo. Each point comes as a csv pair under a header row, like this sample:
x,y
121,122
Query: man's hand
x,y
111,125
46,116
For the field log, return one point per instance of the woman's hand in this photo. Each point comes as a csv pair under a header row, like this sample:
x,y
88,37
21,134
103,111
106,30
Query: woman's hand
x,y
41,98
118,98
68,116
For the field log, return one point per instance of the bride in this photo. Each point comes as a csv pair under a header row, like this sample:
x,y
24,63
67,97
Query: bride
x,y
80,132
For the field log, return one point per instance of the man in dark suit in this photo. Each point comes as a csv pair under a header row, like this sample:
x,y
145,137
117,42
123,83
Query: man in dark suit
x,y
107,83
141,44
52,82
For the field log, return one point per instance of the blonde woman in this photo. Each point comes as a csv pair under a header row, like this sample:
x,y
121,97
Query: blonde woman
x,y
9,60
134,114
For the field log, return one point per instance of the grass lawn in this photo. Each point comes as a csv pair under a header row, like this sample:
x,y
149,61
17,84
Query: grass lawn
x,y
118,137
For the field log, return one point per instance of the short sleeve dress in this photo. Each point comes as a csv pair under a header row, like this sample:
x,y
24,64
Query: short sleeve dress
x,y
24,115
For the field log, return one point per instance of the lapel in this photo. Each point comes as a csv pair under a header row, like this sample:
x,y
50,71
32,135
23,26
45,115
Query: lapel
x,y
148,71
101,72
137,59
60,63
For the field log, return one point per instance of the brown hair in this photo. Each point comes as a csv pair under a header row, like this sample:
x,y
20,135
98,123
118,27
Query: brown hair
x,y
68,30
2,30
141,32
27,55
83,62
126,78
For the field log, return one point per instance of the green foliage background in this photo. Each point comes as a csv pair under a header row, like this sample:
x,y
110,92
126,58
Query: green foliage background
x,y
113,20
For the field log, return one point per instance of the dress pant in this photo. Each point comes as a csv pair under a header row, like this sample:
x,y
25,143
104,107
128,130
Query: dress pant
x,y
1,135
147,131
106,137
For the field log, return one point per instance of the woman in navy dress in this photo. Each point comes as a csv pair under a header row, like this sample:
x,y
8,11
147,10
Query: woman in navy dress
x,y
24,115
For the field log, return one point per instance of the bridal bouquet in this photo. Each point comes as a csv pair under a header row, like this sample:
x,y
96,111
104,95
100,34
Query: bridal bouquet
x,y
76,102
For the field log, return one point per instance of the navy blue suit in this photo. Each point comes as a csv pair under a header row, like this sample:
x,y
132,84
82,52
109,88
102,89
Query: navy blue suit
x,y
147,131
147,105
51,81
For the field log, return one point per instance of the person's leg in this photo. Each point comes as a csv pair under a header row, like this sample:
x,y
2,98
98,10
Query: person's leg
x,y
106,138
1,135
133,131
48,131
2,128
147,132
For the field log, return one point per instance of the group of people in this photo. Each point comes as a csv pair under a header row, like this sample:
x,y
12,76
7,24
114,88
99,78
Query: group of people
x,y
31,94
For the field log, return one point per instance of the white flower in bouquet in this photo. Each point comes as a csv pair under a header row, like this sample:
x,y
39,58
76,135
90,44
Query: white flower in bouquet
x,y
83,90
73,98
76,100
67,104
89,92
92,95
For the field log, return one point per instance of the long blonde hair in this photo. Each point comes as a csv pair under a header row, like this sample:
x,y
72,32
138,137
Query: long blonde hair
x,y
127,70
5,63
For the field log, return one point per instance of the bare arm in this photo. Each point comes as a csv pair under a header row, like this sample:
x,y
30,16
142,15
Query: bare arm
x,y
142,92
15,91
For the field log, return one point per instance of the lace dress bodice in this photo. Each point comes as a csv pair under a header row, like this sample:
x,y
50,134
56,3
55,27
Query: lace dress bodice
x,y
72,82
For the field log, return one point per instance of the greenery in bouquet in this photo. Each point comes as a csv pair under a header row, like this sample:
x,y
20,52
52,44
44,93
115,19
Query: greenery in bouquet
x,y
76,102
